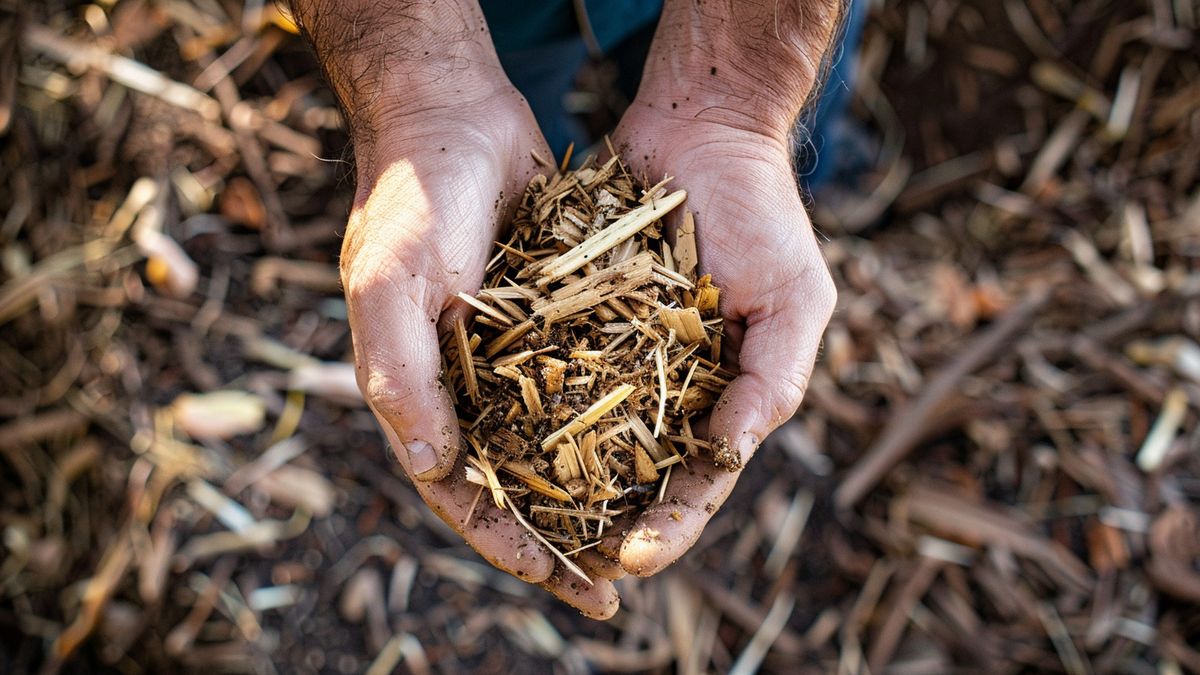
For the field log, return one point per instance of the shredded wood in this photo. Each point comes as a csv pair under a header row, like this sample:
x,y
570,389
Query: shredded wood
x,y
572,385
1035,504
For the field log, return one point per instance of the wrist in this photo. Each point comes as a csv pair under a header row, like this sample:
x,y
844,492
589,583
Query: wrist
x,y
695,114
751,67
440,130
414,114
388,60
680,130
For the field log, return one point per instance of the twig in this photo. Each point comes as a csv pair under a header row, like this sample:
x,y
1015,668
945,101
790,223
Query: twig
x,y
906,428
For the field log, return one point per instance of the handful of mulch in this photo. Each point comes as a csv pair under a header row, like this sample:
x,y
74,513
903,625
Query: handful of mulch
x,y
593,348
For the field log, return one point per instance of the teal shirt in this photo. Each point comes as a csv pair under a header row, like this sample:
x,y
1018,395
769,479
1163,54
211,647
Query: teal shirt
x,y
520,24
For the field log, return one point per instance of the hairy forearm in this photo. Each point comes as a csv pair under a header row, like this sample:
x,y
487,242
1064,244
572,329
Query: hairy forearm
x,y
388,58
748,64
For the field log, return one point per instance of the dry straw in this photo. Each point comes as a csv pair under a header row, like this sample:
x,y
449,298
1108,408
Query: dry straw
x,y
593,347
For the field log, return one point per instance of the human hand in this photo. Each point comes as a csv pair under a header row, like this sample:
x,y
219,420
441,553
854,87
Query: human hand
x,y
431,197
443,148
729,149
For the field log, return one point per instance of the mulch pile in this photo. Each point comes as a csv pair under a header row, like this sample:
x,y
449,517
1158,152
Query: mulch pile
x,y
593,346
997,467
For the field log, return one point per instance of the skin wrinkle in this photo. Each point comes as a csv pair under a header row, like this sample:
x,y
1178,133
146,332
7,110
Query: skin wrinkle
x,y
415,206
414,132
432,266
410,252
733,121
753,145
786,387
779,297
763,244
386,270
461,216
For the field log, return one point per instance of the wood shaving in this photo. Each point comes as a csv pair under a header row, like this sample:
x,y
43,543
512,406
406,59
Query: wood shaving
x,y
563,382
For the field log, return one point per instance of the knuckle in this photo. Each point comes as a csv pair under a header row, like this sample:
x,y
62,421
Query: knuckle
x,y
824,291
358,273
353,242
782,243
789,393
370,273
354,286
384,390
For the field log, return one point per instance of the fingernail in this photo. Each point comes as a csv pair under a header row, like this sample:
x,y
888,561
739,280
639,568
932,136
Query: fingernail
x,y
421,457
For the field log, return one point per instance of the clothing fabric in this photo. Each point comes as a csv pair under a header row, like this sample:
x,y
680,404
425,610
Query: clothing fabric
x,y
524,24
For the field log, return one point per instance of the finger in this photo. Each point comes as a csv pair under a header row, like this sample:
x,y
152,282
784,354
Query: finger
x,y
779,347
614,537
398,365
493,534
778,350
667,529
597,564
599,600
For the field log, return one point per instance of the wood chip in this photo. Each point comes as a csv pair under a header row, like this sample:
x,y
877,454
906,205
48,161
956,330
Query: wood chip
x,y
588,320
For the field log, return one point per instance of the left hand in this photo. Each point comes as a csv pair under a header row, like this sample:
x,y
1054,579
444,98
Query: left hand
x,y
755,238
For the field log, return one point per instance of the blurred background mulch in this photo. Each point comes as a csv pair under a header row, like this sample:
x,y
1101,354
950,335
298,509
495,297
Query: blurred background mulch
x,y
997,468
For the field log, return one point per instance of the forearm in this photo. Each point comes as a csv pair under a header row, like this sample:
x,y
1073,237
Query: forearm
x,y
386,59
747,64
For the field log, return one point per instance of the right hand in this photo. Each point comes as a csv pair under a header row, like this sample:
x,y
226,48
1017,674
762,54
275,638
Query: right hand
x,y
434,186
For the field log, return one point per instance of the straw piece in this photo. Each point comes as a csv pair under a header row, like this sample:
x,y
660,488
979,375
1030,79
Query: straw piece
x,y
629,225
486,309
465,361
588,417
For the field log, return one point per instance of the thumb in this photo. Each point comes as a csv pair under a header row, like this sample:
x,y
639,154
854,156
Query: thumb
x,y
776,360
398,365
777,355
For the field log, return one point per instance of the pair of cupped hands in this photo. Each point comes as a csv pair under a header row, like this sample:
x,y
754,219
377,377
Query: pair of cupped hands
x,y
435,185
